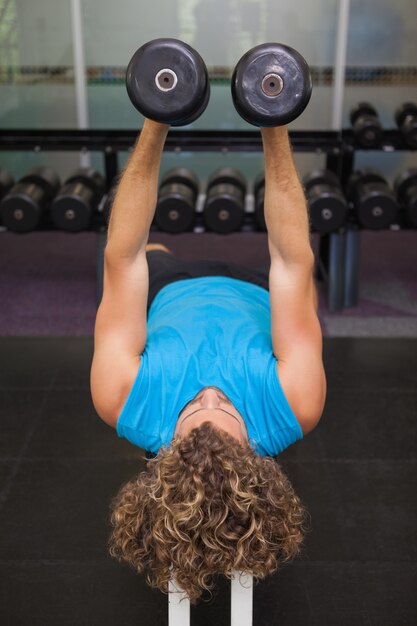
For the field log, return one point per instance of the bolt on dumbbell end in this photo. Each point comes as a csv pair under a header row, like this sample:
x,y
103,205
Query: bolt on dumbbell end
x,y
166,80
272,85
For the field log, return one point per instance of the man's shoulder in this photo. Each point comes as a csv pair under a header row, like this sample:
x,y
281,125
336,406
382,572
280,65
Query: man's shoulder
x,y
110,392
304,390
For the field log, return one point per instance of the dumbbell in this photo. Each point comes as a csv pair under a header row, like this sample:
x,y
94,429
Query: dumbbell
x,y
22,208
77,199
259,193
366,125
328,207
406,119
406,187
271,85
6,182
167,81
224,208
375,203
175,209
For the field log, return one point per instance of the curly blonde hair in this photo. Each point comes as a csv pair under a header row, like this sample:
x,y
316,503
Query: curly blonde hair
x,y
206,505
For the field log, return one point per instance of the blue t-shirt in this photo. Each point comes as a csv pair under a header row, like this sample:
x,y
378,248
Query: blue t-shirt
x,y
202,332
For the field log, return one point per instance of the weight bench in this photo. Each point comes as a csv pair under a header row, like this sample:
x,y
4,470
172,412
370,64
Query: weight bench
x,y
241,605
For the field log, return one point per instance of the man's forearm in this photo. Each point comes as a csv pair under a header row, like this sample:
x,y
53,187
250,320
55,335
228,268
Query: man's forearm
x,y
135,201
285,205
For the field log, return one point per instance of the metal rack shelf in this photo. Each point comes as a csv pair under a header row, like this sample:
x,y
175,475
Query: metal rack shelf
x,y
338,262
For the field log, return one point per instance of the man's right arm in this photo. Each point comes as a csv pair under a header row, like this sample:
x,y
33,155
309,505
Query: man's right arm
x,y
296,332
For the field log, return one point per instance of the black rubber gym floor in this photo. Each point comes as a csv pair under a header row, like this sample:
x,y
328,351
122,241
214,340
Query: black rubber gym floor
x,y
60,465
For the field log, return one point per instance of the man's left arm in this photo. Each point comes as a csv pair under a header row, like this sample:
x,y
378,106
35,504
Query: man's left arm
x,y
135,201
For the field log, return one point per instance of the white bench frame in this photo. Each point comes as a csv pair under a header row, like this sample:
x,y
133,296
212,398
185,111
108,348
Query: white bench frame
x,y
241,602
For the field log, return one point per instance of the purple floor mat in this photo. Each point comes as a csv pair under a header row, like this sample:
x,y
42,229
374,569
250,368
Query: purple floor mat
x,y
48,280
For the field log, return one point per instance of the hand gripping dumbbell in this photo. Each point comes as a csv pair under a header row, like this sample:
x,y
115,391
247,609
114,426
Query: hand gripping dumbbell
x,y
271,85
224,208
406,187
6,182
73,206
375,203
167,81
22,208
175,209
406,119
259,193
328,207
366,125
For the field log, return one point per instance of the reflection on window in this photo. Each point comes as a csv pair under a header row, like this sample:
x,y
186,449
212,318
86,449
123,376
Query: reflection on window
x,y
222,30
9,53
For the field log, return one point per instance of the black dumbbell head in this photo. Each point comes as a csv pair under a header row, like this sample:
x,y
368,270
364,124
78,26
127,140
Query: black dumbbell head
x,y
167,81
375,203
363,176
366,125
404,182
6,182
362,108
406,119
73,206
21,208
377,206
406,187
89,177
227,176
320,177
405,110
271,85
183,176
175,209
224,209
328,207
71,209
45,178
194,116
328,210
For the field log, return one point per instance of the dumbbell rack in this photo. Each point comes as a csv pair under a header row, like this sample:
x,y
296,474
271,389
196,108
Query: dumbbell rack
x,y
338,259
343,248
111,142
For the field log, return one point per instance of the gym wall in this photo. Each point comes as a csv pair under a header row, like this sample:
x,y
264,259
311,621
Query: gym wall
x,y
37,74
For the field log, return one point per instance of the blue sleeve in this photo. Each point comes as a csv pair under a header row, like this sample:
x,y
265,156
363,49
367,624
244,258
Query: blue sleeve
x,y
138,421
287,429
278,427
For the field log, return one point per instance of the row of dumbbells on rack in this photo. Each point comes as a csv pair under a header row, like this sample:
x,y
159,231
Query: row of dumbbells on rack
x,y
368,129
368,201
226,206
39,198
